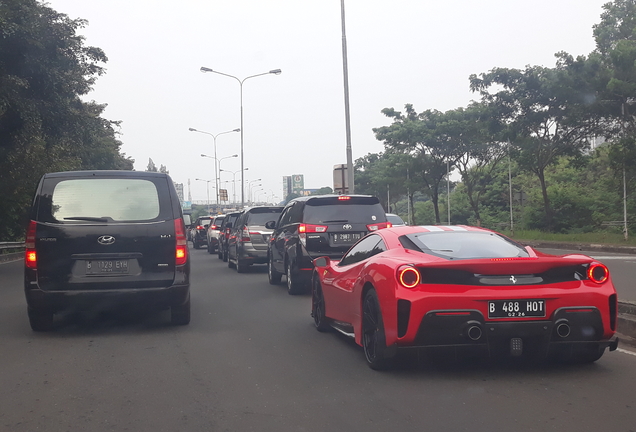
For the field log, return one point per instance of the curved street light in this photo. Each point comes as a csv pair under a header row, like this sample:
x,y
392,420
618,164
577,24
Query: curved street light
x,y
207,186
241,81
218,161
216,167
233,180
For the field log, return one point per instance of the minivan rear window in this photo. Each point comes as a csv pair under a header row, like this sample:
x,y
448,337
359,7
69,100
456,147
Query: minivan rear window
x,y
354,209
262,216
111,199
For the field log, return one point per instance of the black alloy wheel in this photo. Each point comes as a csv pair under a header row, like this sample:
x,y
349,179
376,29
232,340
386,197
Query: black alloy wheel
x,y
318,305
273,275
373,338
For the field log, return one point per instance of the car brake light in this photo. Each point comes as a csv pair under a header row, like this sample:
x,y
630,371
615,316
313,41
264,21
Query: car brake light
x,y
343,198
199,227
408,276
213,227
181,253
375,227
308,228
246,235
597,273
30,256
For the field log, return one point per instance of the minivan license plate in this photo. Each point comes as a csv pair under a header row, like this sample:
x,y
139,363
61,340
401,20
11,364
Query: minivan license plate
x,y
516,308
346,237
106,267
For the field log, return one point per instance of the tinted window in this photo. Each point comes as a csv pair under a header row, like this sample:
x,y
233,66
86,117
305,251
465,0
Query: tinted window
x,y
117,199
356,209
463,245
262,216
365,248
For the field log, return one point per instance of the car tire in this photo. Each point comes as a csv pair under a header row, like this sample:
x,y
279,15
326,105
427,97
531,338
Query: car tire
x,y
180,315
376,352
273,275
195,244
220,252
41,320
318,306
241,266
210,248
225,256
293,284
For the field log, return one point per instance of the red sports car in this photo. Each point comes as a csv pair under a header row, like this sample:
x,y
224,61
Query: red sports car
x,y
464,288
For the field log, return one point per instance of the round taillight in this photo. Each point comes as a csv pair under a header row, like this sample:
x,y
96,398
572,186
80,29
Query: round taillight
x,y
409,276
597,273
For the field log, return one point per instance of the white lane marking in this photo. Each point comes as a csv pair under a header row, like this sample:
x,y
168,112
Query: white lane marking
x,y
625,351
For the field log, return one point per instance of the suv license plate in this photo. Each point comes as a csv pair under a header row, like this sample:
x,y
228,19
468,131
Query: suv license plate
x,y
346,237
106,267
516,308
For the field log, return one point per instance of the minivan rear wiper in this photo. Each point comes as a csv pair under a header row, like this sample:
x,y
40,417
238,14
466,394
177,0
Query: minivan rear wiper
x,y
88,218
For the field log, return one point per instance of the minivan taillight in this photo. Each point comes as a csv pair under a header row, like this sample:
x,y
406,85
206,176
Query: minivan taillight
x,y
213,227
181,254
378,226
307,228
30,256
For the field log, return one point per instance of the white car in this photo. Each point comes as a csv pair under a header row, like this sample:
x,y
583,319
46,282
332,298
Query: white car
x,y
213,233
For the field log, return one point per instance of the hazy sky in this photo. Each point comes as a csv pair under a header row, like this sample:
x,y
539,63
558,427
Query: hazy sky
x,y
399,51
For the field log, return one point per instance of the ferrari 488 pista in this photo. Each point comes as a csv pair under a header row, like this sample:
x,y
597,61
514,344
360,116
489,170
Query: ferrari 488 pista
x,y
461,288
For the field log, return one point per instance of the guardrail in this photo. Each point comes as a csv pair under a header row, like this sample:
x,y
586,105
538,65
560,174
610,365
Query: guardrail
x,y
10,251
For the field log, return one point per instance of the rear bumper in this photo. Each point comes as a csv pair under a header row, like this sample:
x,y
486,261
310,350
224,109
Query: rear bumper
x,y
161,297
252,256
567,330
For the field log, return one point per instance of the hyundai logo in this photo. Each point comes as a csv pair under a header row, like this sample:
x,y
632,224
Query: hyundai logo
x,y
347,226
106,240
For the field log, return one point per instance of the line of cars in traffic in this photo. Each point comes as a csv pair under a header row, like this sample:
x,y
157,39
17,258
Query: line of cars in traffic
x,y
101,239
458,289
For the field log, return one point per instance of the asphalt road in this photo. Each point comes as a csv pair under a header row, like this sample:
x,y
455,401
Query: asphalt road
x,y
622,269
251,361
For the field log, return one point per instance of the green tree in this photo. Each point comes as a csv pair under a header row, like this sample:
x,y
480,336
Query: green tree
x,y
418,135
548,117
44,125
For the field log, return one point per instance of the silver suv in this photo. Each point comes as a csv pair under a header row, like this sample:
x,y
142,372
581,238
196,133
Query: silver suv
x,y
247,243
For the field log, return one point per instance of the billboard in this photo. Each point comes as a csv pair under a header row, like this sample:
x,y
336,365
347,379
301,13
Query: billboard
x,y
298,183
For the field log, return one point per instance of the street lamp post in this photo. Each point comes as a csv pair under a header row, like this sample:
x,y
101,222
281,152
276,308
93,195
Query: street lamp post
x,y
234,180
207,187
241,81
218,162
216,167
249,188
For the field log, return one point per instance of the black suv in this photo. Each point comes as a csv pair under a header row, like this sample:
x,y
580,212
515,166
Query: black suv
x,y
198,233
248,240
98,238
310,227
224,233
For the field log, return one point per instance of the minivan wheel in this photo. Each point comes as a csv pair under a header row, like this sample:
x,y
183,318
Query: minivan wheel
x,y
225,256
41,320
273,275
220,252
180,315
210,248
230,264
195,244
293,285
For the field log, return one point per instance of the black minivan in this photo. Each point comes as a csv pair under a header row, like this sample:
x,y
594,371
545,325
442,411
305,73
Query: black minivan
x,y
103,238
314,226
